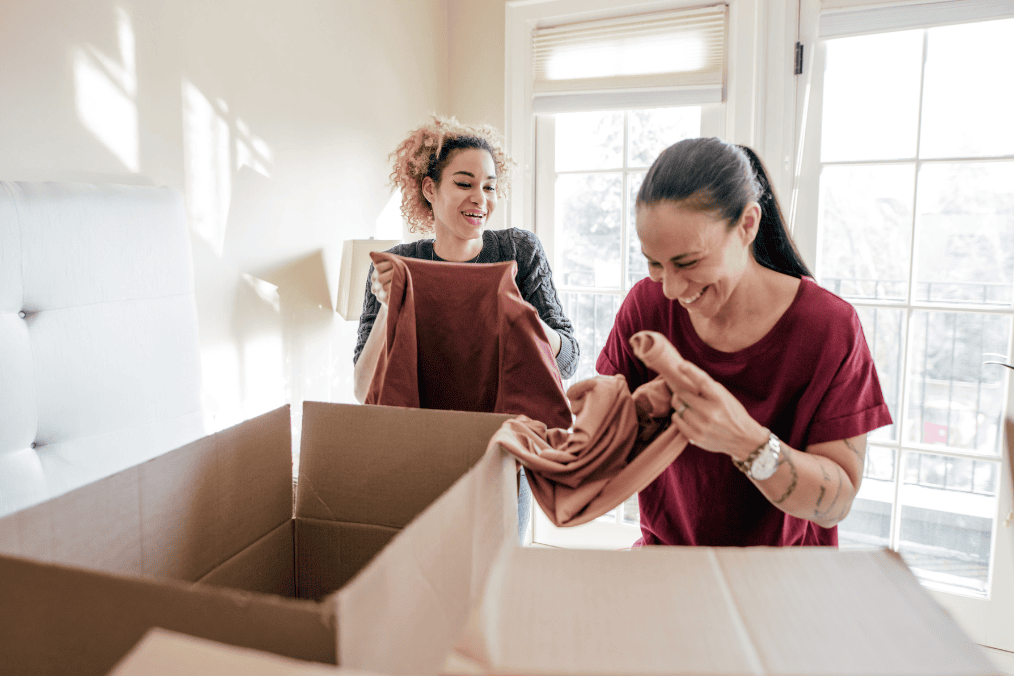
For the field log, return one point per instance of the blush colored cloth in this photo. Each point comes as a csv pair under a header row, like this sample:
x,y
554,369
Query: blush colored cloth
x,y
811,379
460,337
619,444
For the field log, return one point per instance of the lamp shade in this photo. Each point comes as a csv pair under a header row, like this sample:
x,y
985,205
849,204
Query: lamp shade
x,y
355,264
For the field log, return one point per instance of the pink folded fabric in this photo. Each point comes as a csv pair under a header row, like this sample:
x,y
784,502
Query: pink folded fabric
x,y
620,442
460,337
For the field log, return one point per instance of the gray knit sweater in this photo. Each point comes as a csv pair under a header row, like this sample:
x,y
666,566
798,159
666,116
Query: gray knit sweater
x,y
534,279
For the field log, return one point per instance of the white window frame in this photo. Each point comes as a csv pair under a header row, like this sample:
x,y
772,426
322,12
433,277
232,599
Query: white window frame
x,y
759,63
987,621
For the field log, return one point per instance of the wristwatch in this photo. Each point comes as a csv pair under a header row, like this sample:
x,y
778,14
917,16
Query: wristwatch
x,y
762,462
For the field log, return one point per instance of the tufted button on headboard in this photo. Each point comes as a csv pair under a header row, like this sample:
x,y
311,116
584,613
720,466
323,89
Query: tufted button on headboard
x,y
99,351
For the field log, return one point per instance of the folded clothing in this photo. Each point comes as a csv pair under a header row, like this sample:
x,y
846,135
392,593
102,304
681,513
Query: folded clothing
x,y
460,337
619,444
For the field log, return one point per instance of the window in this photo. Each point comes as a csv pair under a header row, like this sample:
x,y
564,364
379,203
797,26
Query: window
x,y
589,168
911,188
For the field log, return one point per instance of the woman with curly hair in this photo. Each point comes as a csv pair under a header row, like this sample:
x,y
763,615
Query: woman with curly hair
x,y
451,176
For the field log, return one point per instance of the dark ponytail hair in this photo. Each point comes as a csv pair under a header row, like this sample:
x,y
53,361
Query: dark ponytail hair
x,y
710,175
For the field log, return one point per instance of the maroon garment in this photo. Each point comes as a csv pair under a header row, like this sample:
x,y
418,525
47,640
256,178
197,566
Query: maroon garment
x,y
810,379
460,337
620,442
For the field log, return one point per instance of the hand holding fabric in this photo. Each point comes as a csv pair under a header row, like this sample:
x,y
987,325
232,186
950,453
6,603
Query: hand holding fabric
x,y
619,444
383,274
710,415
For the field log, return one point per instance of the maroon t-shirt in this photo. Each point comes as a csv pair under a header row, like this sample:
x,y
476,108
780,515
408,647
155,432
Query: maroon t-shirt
x,y
810,379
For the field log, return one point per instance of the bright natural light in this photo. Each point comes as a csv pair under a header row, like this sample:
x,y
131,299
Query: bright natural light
x,y
105,94
632,56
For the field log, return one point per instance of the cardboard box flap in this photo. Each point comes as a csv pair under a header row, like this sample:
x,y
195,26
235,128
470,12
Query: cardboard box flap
x,y
604,612
163,652
373,464
694,610
177,515
848,612
401,614
97,526
58,620
205,502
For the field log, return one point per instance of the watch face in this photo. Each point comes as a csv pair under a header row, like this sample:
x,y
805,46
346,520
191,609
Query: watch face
x,y
765,464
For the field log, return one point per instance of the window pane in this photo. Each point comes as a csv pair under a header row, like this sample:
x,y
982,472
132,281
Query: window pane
x,y
652,131
965,233
955,398
588,210
587,141
632,511
871,97
946,528
865,222
885,334
868,524
966,109
637,264
592,315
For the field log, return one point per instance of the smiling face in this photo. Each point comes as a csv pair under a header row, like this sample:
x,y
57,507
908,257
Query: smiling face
x,y
696,257
466,196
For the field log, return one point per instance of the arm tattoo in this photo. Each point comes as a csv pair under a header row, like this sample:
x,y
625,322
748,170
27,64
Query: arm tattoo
x,y
861,455
833,503
792,484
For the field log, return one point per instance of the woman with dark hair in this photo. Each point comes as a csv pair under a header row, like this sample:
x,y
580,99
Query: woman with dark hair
x,y
778,390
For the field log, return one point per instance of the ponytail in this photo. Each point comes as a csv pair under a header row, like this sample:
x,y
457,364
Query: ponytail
x,y
773,248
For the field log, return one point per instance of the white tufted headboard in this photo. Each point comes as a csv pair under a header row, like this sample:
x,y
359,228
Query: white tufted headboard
x,y
99,353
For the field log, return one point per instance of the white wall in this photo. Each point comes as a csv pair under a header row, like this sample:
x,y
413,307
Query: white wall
x,y
274,120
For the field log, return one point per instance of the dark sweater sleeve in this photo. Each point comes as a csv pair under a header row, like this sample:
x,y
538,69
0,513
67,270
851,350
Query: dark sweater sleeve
x,y
535,280
371,308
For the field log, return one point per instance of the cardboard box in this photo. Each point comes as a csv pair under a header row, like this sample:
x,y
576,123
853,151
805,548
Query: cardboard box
x,y
206,540
449,592
163,652
699,610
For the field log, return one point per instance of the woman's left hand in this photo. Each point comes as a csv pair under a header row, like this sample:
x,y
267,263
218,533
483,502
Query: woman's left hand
x,y
711,417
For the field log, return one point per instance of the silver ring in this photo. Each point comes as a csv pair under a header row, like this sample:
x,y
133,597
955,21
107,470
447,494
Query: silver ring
x,y
682,409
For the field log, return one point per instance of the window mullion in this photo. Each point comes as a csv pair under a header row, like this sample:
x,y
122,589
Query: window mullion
x,y
906,380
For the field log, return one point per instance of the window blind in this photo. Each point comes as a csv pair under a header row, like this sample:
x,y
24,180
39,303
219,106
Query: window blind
x,y
846,18
642,58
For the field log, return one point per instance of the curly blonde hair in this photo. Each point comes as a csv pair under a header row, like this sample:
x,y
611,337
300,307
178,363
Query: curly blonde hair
x,y
426,152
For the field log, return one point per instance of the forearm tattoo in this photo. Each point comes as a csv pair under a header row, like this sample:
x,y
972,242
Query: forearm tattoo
x,y
821,513
787,459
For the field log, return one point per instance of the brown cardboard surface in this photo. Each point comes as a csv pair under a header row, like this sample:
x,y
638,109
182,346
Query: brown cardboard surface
x,y
163,652
60,620
851,612
220,511
331,553
267,566
606,612
205,502
404,610
677,610
176,516
355,466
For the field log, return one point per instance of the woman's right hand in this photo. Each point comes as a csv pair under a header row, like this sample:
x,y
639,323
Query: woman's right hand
x,y
383,274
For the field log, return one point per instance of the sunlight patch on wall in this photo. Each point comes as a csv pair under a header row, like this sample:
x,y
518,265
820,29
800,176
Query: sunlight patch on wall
x,y
207,162
105,93
215,145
